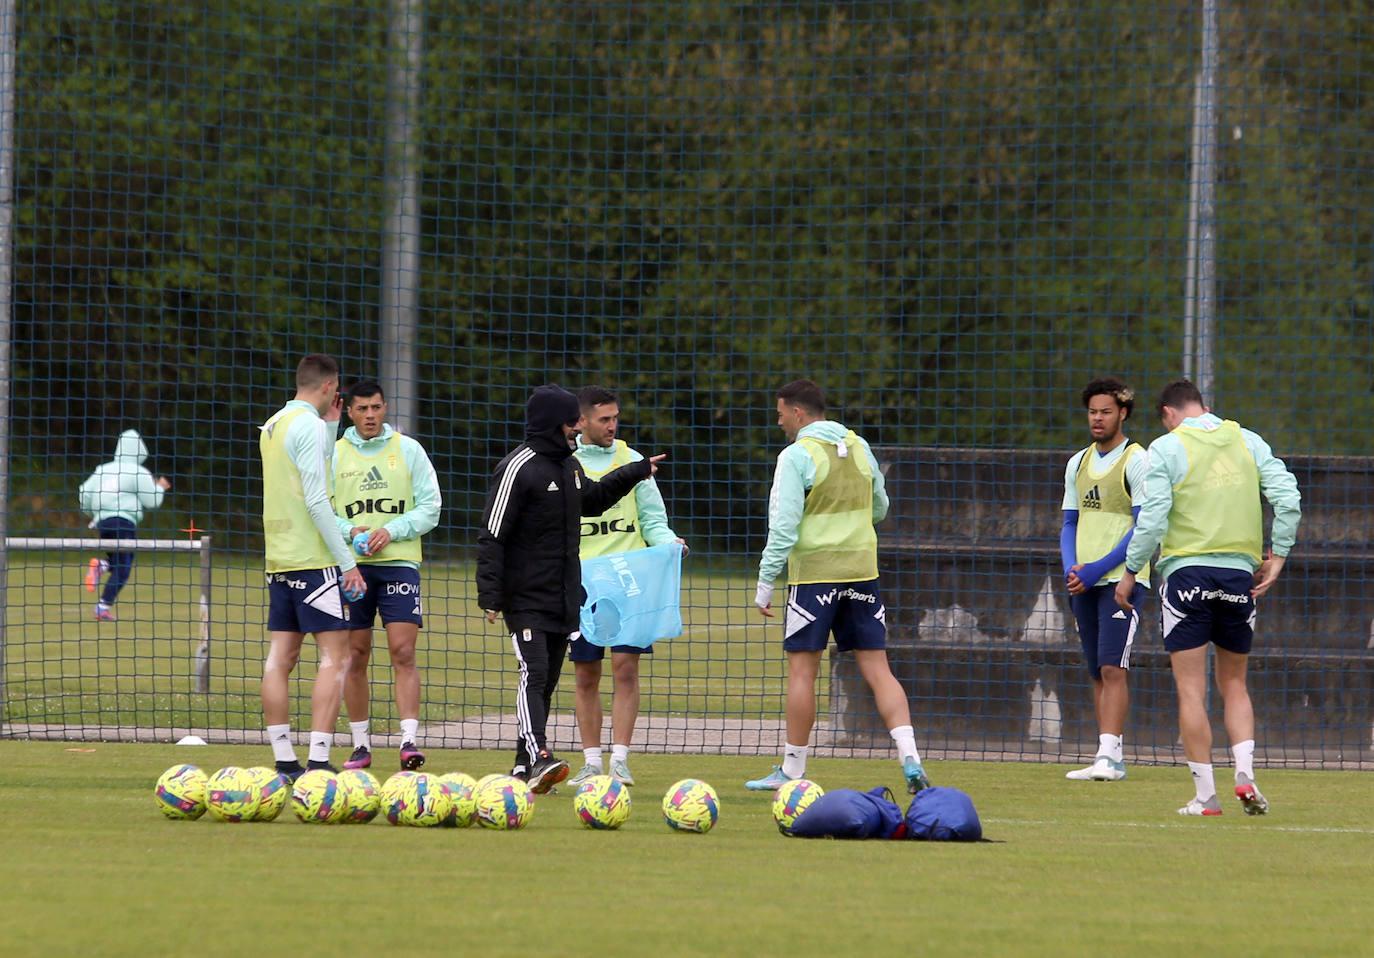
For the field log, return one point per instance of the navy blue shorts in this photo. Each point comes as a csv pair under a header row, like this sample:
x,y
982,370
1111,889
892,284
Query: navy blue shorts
x,y
580,650
853,611
310,600
392,590
1106,630
1202,604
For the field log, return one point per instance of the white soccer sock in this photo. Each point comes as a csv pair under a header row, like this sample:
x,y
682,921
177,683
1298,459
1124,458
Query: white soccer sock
x,y
279,737
592,756
319,745
1203,780
1110,746
410,730
360,737
794,761
620,753
1244,753
905,737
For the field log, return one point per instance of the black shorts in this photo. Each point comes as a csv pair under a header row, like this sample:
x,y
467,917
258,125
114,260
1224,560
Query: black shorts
x,y
852,611
392,590
310,600
1201,604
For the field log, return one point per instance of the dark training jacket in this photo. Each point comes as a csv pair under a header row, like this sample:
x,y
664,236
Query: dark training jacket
x,y
528,564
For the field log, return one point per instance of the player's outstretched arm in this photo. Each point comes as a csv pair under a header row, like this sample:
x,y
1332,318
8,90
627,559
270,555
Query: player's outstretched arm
x,y
600,495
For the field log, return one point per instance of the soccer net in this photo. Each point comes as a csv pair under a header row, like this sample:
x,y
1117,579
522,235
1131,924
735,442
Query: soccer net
x,y
952,215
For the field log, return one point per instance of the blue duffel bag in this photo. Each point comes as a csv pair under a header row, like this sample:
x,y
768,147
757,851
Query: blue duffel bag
x,y
846,813
942,815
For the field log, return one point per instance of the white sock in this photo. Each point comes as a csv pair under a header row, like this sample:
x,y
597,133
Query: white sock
x,y
410,730
592,756
794,761
1203,781
319,745
279,737
905,738
360,737
1110,746
620,753
1244,753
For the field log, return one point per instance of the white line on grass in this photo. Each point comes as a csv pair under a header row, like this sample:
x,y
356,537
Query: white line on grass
x,y
1314,829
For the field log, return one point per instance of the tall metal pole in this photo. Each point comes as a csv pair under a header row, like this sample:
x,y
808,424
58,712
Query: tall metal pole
x,y
1205,175
1190,262
9,26
400,277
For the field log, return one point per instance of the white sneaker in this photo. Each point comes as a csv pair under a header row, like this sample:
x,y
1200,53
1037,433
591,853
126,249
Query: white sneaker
x,y
1103,769
1195,807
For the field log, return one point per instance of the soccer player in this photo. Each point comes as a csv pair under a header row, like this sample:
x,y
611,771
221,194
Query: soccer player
x,y
384,486
1104,487
307,561
527,561
634,522
827,495
115,496
1202,507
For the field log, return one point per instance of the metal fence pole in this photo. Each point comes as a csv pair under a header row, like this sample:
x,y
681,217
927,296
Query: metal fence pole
x,y
400,277
9,25
1205,132
202,666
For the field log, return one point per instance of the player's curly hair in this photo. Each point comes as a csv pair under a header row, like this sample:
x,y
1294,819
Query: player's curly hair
x,y
1108,386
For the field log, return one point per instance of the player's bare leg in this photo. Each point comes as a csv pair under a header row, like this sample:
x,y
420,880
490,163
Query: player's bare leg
x,y
401,638
327,694
283,652
1190,679
802,668
587,706
1240,727
895,711
357,697
624,713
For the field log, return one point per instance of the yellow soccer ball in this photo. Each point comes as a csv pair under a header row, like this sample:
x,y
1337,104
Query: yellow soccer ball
x,y
317,798
362,796
398,794
461,788
180,792
231,795
791,799
505,803
273,791
431,804
601,802
691,806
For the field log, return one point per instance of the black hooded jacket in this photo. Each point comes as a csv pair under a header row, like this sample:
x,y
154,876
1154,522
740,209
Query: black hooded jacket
x,y
528,565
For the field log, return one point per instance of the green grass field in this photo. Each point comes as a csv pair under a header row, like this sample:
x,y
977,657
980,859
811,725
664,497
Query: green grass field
x,y
64,668
1077,868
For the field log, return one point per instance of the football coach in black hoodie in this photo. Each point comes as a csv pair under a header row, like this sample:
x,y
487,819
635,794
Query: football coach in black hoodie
x,y
527,560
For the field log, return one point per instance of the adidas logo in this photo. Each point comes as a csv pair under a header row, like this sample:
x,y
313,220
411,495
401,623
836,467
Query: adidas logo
x,y
1120,614
1092,499
553,486
373,480
1222,475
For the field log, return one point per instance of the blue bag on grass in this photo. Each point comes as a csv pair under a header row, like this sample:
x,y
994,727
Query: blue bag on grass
x,y
846,813
942,815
